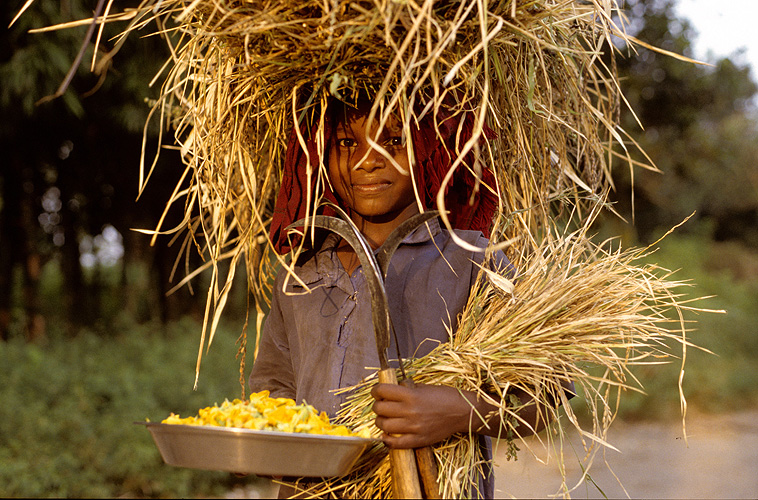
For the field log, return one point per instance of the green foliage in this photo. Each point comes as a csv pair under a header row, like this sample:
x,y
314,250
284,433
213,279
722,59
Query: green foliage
x,y
33,65
699,130
708,169
36,64
67,419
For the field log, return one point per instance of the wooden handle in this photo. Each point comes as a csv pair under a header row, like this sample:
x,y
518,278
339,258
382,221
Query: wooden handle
x,y
427,464
427,470
405,482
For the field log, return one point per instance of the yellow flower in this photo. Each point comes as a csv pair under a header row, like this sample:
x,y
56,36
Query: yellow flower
x,y
262,412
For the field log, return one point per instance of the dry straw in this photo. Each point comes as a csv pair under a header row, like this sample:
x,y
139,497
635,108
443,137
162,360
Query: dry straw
x,y
540,73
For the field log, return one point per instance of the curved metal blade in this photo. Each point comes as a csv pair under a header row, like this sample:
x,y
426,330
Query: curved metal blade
x,y
387,250
375,267
379,306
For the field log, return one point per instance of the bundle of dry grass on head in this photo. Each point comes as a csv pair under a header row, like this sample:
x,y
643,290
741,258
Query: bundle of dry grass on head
x,y
540,73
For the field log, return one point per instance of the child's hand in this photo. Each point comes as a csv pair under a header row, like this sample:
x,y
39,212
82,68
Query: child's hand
x,y
419,416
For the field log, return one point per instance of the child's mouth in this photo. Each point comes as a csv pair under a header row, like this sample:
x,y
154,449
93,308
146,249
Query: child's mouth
x,y
371,187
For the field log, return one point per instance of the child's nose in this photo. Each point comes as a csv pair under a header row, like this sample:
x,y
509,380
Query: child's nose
x,y
371,160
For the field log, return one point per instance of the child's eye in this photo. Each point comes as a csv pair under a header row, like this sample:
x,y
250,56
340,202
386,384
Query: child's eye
x,y
395,141
346,142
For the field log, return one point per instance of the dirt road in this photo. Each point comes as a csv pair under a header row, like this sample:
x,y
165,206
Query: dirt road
x,y
719,460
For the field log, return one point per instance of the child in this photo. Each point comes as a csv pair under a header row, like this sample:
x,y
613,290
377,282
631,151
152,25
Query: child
x,y
315,342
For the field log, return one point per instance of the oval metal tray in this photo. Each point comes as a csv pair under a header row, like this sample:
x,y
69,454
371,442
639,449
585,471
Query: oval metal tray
x,y
264,453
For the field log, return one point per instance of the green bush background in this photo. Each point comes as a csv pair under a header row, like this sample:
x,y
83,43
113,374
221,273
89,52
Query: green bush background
x,y
726,378
69,406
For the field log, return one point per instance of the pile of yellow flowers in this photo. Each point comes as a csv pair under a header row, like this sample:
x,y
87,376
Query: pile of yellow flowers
x,y
265,413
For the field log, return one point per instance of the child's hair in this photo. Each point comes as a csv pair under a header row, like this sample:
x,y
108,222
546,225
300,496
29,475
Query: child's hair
x,y
436,139
340,112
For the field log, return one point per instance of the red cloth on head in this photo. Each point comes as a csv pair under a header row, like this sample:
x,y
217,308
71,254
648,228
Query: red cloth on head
x,y
435,151
291,199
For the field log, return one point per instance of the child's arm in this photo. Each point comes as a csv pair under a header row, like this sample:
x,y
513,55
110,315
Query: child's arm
x,y
426,414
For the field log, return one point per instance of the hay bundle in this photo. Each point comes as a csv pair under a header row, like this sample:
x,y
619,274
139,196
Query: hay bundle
x,y
539,72
245,71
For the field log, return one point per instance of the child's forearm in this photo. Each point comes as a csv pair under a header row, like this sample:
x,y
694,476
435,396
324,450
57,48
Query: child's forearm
x,y
427,414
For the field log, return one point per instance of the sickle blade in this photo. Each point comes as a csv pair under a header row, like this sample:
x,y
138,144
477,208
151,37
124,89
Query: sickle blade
x,y
387,250
375,266
404,462
379,306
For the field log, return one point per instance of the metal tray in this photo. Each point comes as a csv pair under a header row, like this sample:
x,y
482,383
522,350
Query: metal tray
x,y
264,453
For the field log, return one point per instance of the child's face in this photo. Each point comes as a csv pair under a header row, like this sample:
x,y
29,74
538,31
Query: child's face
x,y
363,178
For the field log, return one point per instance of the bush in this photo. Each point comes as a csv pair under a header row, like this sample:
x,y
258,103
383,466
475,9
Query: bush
x,y
67,419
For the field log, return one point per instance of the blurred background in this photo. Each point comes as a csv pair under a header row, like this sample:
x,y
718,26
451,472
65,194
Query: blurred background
x,y
90,342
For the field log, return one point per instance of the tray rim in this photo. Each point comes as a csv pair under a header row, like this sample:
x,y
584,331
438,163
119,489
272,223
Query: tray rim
x,y
344,451
256,432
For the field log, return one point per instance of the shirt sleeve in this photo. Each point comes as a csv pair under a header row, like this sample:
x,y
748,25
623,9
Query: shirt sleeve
x,y
272,368
497,262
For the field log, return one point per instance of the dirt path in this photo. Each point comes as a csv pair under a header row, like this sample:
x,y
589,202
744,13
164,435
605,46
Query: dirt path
x,y
720,460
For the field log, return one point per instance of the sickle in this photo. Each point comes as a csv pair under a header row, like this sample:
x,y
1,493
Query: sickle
x,y
379,307
375,266
405,470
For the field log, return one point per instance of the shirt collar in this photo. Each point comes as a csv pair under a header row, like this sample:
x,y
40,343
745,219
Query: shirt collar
x,y
326,264
424,232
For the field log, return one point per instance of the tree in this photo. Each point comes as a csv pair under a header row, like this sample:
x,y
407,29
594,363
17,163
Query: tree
x,y
698,129
70,165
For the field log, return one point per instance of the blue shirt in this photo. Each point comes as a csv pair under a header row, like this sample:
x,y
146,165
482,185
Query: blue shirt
x,y
313,343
